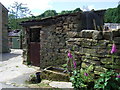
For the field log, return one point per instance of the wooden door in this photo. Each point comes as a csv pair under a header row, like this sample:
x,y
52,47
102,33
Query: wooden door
x,y
35,53
35,46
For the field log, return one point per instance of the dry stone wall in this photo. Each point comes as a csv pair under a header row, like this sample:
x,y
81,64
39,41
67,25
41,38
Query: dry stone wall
x,y
93,48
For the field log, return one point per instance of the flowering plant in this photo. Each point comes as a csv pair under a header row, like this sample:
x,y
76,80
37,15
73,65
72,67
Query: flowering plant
x,y
114,49
71,63
70,56
82,78
113,52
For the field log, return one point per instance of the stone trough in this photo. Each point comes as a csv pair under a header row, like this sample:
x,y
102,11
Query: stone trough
x,y
54,73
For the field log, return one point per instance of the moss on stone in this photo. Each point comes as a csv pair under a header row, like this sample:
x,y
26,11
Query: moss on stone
x,y
52,75
106,61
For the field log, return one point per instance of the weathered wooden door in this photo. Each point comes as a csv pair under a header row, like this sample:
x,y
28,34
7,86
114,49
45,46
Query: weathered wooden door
x,y
35,46
35,53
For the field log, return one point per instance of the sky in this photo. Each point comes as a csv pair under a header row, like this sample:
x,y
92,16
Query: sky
x,y
37,7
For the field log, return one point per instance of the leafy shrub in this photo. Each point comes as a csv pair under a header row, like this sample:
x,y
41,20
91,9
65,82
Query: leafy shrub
x,y
108,81
82,78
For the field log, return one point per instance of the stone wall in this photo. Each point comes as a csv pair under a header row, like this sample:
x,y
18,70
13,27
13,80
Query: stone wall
x,y
93,48
53,40
3,29
0,29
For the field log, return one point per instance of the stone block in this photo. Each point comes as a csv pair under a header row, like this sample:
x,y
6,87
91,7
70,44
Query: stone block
x,y
54,73
100,68
90,51
66,28
94,42
86,60
75,25
86,43
97,35
107,35
117,61
102,51
75,39
58,28
91,34
86,33
116,33
87,56
106,61
97,72
78,43
92,62
117,40
112,66
95,58
71,25
72,34
97,63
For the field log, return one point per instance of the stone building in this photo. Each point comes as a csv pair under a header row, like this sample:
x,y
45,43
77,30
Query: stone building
x,y
45,42
15,41
3,29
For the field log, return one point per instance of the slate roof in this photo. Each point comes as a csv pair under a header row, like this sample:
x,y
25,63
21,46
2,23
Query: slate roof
x,y
14,33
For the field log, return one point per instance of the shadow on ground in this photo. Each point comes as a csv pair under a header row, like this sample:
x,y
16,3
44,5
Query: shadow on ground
x,y
14,53
7,56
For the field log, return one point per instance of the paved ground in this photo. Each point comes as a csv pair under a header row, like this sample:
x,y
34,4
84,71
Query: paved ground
x,y
13,73
56,84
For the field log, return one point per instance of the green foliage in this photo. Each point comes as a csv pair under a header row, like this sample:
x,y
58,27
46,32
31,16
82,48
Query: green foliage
x,y
64,65
82,78
112,15
48,13
108,81
32,79
70,11
77,10
65,12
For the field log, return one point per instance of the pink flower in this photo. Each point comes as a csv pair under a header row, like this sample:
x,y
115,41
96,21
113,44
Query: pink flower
x,y
86,74
69,55
113,49
74,63
118,76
